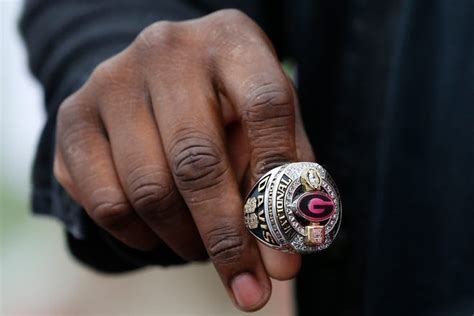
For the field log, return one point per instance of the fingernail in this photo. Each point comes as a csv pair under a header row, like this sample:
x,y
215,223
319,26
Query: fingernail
x,y
247,291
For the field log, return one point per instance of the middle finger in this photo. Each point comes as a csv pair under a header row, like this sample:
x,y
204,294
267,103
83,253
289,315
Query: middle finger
x,y
143,170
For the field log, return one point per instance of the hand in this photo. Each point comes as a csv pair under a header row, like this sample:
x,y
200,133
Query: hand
x,y
159,142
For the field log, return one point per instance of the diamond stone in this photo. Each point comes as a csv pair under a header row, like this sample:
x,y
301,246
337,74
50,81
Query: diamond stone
x,y
314,180
251,220
250,205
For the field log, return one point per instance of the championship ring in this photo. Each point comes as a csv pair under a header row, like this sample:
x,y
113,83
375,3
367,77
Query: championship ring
x,y
294,208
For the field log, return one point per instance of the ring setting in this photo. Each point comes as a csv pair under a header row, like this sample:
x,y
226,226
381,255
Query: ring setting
x,y
294,208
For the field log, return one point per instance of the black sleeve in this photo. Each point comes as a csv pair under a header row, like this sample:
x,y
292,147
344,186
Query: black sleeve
x,y
65,42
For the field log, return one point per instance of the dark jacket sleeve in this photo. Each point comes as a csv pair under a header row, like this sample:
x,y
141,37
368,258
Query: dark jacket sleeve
x,y
66,40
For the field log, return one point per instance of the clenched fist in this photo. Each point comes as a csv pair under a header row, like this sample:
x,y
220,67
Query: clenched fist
x,y
163,139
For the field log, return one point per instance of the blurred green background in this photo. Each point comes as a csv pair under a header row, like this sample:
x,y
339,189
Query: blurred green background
x,y
37,275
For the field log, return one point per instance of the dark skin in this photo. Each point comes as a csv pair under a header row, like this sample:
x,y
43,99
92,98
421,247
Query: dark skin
x,y
162,141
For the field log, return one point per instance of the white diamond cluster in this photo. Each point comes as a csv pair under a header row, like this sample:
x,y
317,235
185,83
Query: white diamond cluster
x,y
251,219
250,205
301,247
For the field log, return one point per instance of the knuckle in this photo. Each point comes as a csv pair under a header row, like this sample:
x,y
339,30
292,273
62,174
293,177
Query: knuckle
x,y
225,244
267,159
74,140
107,74
74,125
67,112
158,36
59,173
270,117
111,213
103,71
228,29
148,196
150,192
268,100
197,162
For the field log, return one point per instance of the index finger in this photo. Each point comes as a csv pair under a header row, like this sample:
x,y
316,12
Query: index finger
x,y
192,135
